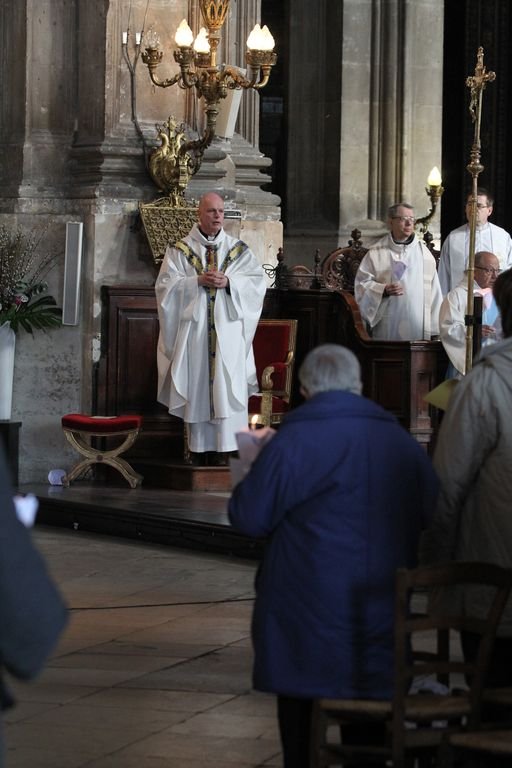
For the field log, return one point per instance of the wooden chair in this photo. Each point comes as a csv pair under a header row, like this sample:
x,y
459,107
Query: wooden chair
x,y
479,745
428,237
274,352
416,724
494,738
340,266
296,277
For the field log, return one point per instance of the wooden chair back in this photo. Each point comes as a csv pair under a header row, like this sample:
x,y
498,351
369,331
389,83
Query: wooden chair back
x,y
425,652
340,266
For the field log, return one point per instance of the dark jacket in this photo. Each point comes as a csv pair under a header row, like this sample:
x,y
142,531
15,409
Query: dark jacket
x,y
32,612
342,491
473,457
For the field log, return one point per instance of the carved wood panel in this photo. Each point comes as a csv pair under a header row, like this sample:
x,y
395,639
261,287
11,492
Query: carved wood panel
x,y
127,380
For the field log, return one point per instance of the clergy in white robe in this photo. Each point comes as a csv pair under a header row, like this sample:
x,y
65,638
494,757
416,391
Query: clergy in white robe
x,y
396,285
452,327
453,260
209,292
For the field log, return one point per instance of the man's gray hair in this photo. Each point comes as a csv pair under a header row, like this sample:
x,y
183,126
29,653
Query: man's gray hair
x,y
330,367
392,210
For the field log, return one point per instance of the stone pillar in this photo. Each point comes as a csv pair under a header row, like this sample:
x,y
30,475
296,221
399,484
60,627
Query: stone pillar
x,y
401,72
39,92
314,103
364,110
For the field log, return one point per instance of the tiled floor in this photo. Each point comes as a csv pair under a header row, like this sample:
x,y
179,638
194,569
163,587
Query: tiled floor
x,y
154,669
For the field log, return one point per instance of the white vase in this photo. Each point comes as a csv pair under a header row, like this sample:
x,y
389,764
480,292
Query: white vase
x,y
7,347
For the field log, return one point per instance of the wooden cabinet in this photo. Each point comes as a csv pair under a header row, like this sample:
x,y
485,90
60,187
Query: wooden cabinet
x,y
127,377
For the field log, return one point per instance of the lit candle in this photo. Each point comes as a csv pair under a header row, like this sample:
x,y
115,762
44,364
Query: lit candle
x,y
254,421
184,36
268,41
434,177
125,38
138,37
201,44
260,39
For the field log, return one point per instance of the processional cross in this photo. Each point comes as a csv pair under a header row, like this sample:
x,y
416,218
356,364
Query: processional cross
x,y
476,83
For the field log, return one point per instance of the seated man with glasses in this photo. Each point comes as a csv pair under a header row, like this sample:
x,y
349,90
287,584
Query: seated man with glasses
x,y
455,250
452,327
396,285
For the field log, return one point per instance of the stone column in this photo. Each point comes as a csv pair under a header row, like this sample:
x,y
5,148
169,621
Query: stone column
x,y
364,110
392,102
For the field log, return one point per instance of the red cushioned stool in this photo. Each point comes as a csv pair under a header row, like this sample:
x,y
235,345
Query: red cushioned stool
x,y
79,429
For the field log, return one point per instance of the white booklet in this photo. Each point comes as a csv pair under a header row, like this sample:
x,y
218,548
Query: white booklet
x,y
249,442
26,508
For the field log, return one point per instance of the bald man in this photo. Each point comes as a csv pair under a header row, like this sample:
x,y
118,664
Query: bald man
x,y
452,327
209,293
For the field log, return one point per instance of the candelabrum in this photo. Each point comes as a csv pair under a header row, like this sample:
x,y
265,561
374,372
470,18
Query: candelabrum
x,y
197,60
434,190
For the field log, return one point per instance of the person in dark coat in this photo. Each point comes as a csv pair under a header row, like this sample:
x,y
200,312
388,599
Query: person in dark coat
x,y
342,493
32,611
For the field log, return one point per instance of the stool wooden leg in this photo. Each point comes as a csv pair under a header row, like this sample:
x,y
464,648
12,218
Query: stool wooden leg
x,y
77,470
125,469
93,456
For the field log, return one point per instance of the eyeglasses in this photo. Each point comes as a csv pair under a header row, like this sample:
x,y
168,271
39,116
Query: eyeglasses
x,y
405,219
489,270
478,205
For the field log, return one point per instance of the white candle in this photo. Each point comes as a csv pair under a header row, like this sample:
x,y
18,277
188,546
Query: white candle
x,y
201,44
260,39
434,177
137,38
125,38
184,36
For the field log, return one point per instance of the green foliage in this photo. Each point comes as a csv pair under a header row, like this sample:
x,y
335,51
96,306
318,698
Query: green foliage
x,y
24,301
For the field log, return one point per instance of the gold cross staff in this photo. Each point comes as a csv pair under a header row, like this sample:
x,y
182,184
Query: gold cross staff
x,y
476,83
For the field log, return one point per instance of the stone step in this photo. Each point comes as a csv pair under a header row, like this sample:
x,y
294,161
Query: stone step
x,y
182,477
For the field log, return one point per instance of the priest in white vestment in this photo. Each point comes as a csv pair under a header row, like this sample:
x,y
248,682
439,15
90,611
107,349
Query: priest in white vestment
x,y
209,293
452,327
453,260
396,285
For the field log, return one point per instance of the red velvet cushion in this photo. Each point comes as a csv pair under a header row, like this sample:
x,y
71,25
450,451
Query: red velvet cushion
x,y
80,421
278,404
271,343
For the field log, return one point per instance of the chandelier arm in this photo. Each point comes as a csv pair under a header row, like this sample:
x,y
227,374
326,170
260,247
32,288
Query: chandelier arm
x,y
434,193
152,58
164,83
424,221
264,80
234,79
187,78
